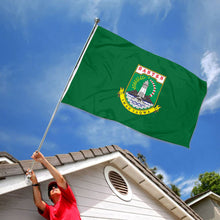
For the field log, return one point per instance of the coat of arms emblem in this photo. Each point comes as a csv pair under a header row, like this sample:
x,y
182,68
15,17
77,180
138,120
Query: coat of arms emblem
x,y
142,92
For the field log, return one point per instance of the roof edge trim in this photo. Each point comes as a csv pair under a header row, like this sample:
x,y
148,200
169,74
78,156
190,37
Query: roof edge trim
x,y
210,193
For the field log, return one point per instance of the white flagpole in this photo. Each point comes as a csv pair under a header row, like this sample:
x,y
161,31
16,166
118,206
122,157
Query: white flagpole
x,y
81,56
67,85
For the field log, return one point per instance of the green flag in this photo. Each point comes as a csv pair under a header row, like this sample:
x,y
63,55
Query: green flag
x,y
122,82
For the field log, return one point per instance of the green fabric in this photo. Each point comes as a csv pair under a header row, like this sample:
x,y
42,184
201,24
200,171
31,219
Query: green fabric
x,y
110,63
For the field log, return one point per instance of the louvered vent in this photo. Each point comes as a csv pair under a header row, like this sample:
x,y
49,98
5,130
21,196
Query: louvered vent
x,y
118,182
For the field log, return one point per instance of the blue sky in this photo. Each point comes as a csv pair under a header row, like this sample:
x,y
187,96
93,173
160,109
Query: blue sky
x,y
40,44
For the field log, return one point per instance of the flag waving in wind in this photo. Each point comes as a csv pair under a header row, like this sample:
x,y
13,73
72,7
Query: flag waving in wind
x,y
119,81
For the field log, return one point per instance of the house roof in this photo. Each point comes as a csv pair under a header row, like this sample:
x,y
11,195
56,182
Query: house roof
x,y
197,198
7,158
123,159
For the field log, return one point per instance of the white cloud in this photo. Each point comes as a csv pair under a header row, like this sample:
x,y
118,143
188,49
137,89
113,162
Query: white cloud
x,y
24,12
166,176
183,183
211,71
101,132
211,103
50,87
202,23
18,11
186,186
210,67
15,139
178,180
155,7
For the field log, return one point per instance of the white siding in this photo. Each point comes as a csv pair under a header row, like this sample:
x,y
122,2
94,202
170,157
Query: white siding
x,y
18,205
97,201
94,197
206,209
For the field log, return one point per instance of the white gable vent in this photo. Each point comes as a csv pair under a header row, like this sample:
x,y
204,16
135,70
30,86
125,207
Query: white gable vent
x,y
117,183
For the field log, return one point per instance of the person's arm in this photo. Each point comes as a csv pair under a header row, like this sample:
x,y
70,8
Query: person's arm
x,y
39,157
36,191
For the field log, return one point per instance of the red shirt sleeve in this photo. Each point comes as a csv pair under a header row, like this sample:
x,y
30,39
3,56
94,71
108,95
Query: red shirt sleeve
x,y
68,194
46,212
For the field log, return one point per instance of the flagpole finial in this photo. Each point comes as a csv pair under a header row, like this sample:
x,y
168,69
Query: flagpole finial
x,y
97,20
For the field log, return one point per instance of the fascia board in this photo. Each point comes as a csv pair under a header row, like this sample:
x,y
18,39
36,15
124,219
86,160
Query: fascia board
x,y
211,194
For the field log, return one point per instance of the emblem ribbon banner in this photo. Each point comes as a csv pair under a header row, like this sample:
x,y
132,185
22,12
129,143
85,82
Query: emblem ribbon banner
x,y
133,110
